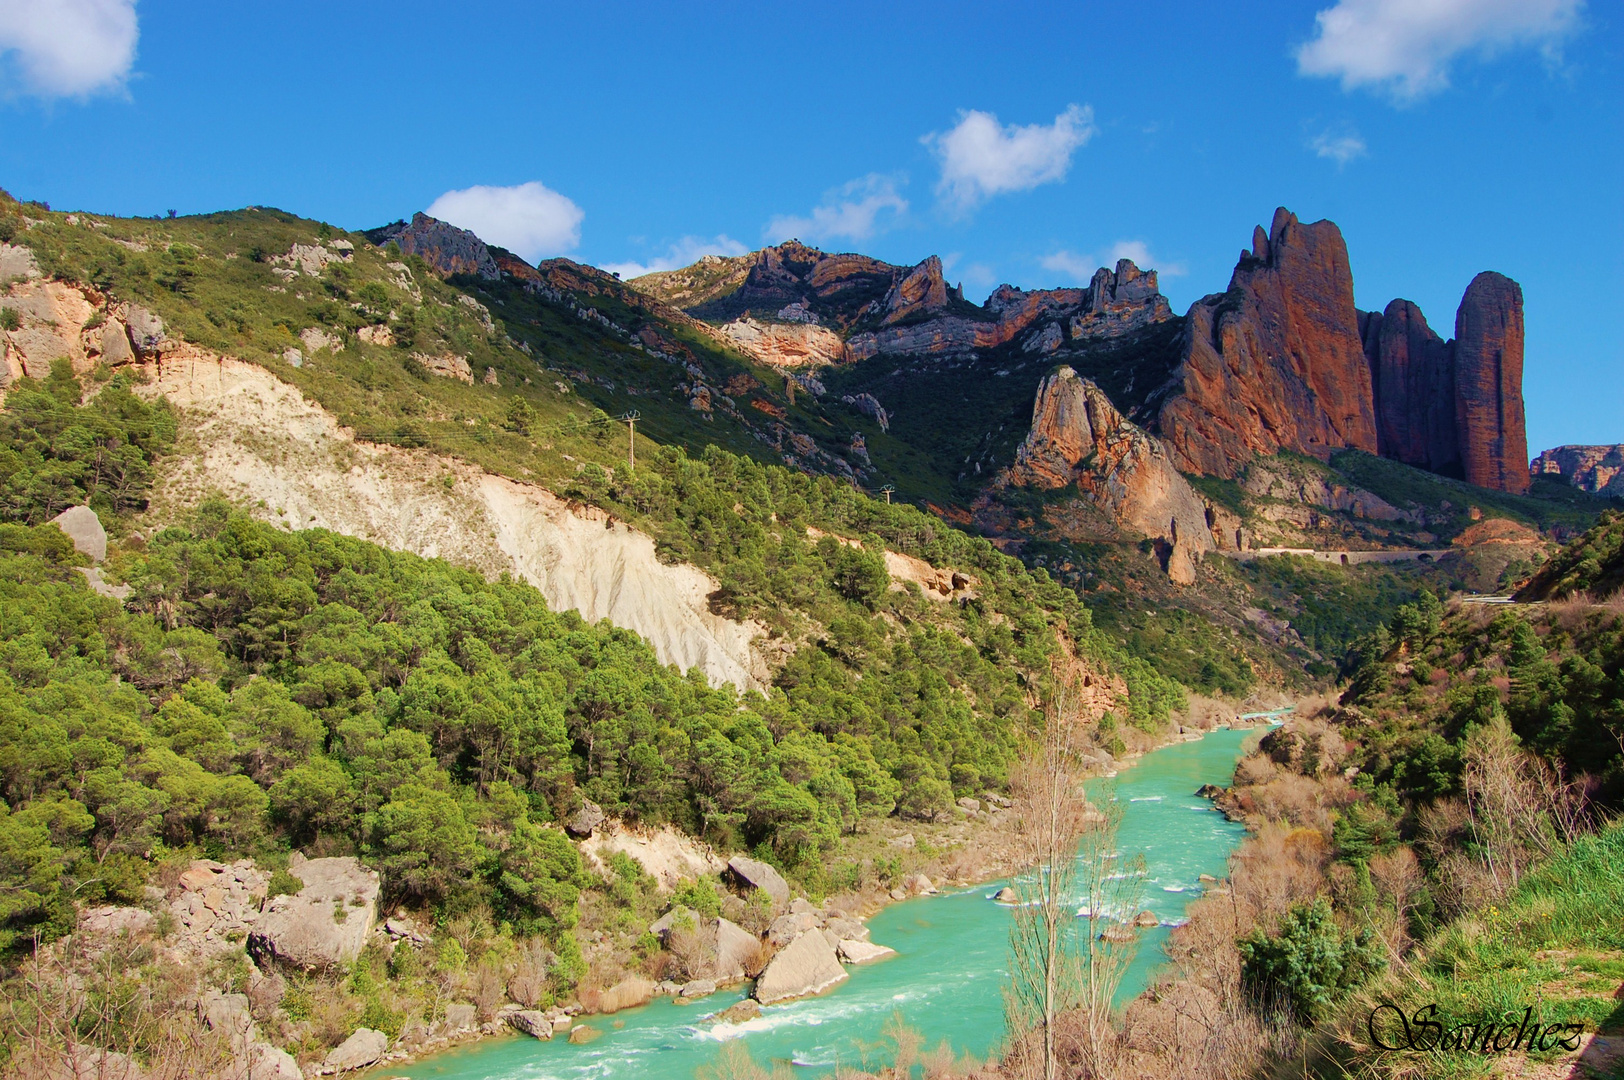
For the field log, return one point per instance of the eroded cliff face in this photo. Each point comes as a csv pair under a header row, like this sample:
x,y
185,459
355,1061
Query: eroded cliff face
x,y
1275,363
257,440
1078,435
1488,384
446,248
1596,469
1413,383
786,344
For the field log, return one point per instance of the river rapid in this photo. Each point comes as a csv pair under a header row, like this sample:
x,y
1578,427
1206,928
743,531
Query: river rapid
x,y
946,980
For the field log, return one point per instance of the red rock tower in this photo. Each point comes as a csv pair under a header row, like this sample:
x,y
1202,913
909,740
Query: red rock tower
x,y
1488,384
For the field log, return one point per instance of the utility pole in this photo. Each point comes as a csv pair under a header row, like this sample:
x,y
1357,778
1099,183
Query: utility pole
x,y
630,419
886,491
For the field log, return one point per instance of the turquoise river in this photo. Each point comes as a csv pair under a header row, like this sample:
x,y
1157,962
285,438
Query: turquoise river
x,y
945,981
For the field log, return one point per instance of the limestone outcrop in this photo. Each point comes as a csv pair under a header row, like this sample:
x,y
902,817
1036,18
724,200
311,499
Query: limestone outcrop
x,y
1488,384
361,1049
446,248
325,924
786,344
84,528
1275,362
1596,469
1077,435
808,965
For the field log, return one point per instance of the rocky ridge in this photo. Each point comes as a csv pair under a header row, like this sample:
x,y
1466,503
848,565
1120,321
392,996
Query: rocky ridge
x,y
1596,469
1077,435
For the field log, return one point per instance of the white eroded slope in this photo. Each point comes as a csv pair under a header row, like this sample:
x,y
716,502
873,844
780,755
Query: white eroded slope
x,y
258,441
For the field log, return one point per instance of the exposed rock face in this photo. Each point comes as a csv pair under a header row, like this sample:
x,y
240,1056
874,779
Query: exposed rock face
x,y
786,345
758,875
1078,435
84,528
326,924
17,261
531,1022
586,819
921,291
446,248
259,438
1121,301
1596,469
808,965
448,365
1413,385
1276,362
667,855
1488,384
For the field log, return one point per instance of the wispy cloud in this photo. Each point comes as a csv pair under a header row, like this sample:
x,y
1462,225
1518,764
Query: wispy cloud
x,y
67,48
684,252
855,210
981,158
530,219
1404,48
1080,266
1340,148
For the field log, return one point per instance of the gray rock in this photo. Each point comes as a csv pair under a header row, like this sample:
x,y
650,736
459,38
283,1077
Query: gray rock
x,y
698,988
918,884
847,929
1006,895
326,924
146,329
228,1015
758,875
115,344
358,1051
586,819
735,948
737,1014
84,528
808,965
17,261
786,928
267,1062
898,894
863,952
662,927
460,1016
1146,919
532,1022
801,906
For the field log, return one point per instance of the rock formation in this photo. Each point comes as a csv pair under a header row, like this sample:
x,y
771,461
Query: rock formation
x,y
1275,363
1412,376
1078,435
808,965
1488,384
1596,469
1120,301
325,925
786,345
754,874
446,248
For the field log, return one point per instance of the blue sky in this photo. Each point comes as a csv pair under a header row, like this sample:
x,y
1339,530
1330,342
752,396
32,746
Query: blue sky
x,y
1022,144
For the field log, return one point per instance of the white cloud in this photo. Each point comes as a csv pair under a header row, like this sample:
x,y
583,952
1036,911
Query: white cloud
x,y
982,158
531,220
684,252
854,211
1080,266
1339,148
1404,47
69,48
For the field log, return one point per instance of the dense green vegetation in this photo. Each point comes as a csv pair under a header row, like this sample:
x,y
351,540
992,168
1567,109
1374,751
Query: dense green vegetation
x,y
1593,564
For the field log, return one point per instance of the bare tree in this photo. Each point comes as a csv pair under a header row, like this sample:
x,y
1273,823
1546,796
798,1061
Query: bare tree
x,y
1058,962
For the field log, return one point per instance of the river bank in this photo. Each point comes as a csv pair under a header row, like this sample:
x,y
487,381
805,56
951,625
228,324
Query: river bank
x,y
946,980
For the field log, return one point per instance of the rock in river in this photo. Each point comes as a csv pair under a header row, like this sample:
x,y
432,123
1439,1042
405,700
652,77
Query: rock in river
x,y
808,965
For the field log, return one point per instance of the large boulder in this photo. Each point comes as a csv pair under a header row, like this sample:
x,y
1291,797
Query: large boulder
x,y
531,1022
863,952
84,528
326,924
358,1051
146,330
786,928
735,948
586,819
755,874
808,965
626,994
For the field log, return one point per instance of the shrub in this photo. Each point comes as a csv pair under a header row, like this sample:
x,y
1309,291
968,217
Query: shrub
x,y
1309,963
